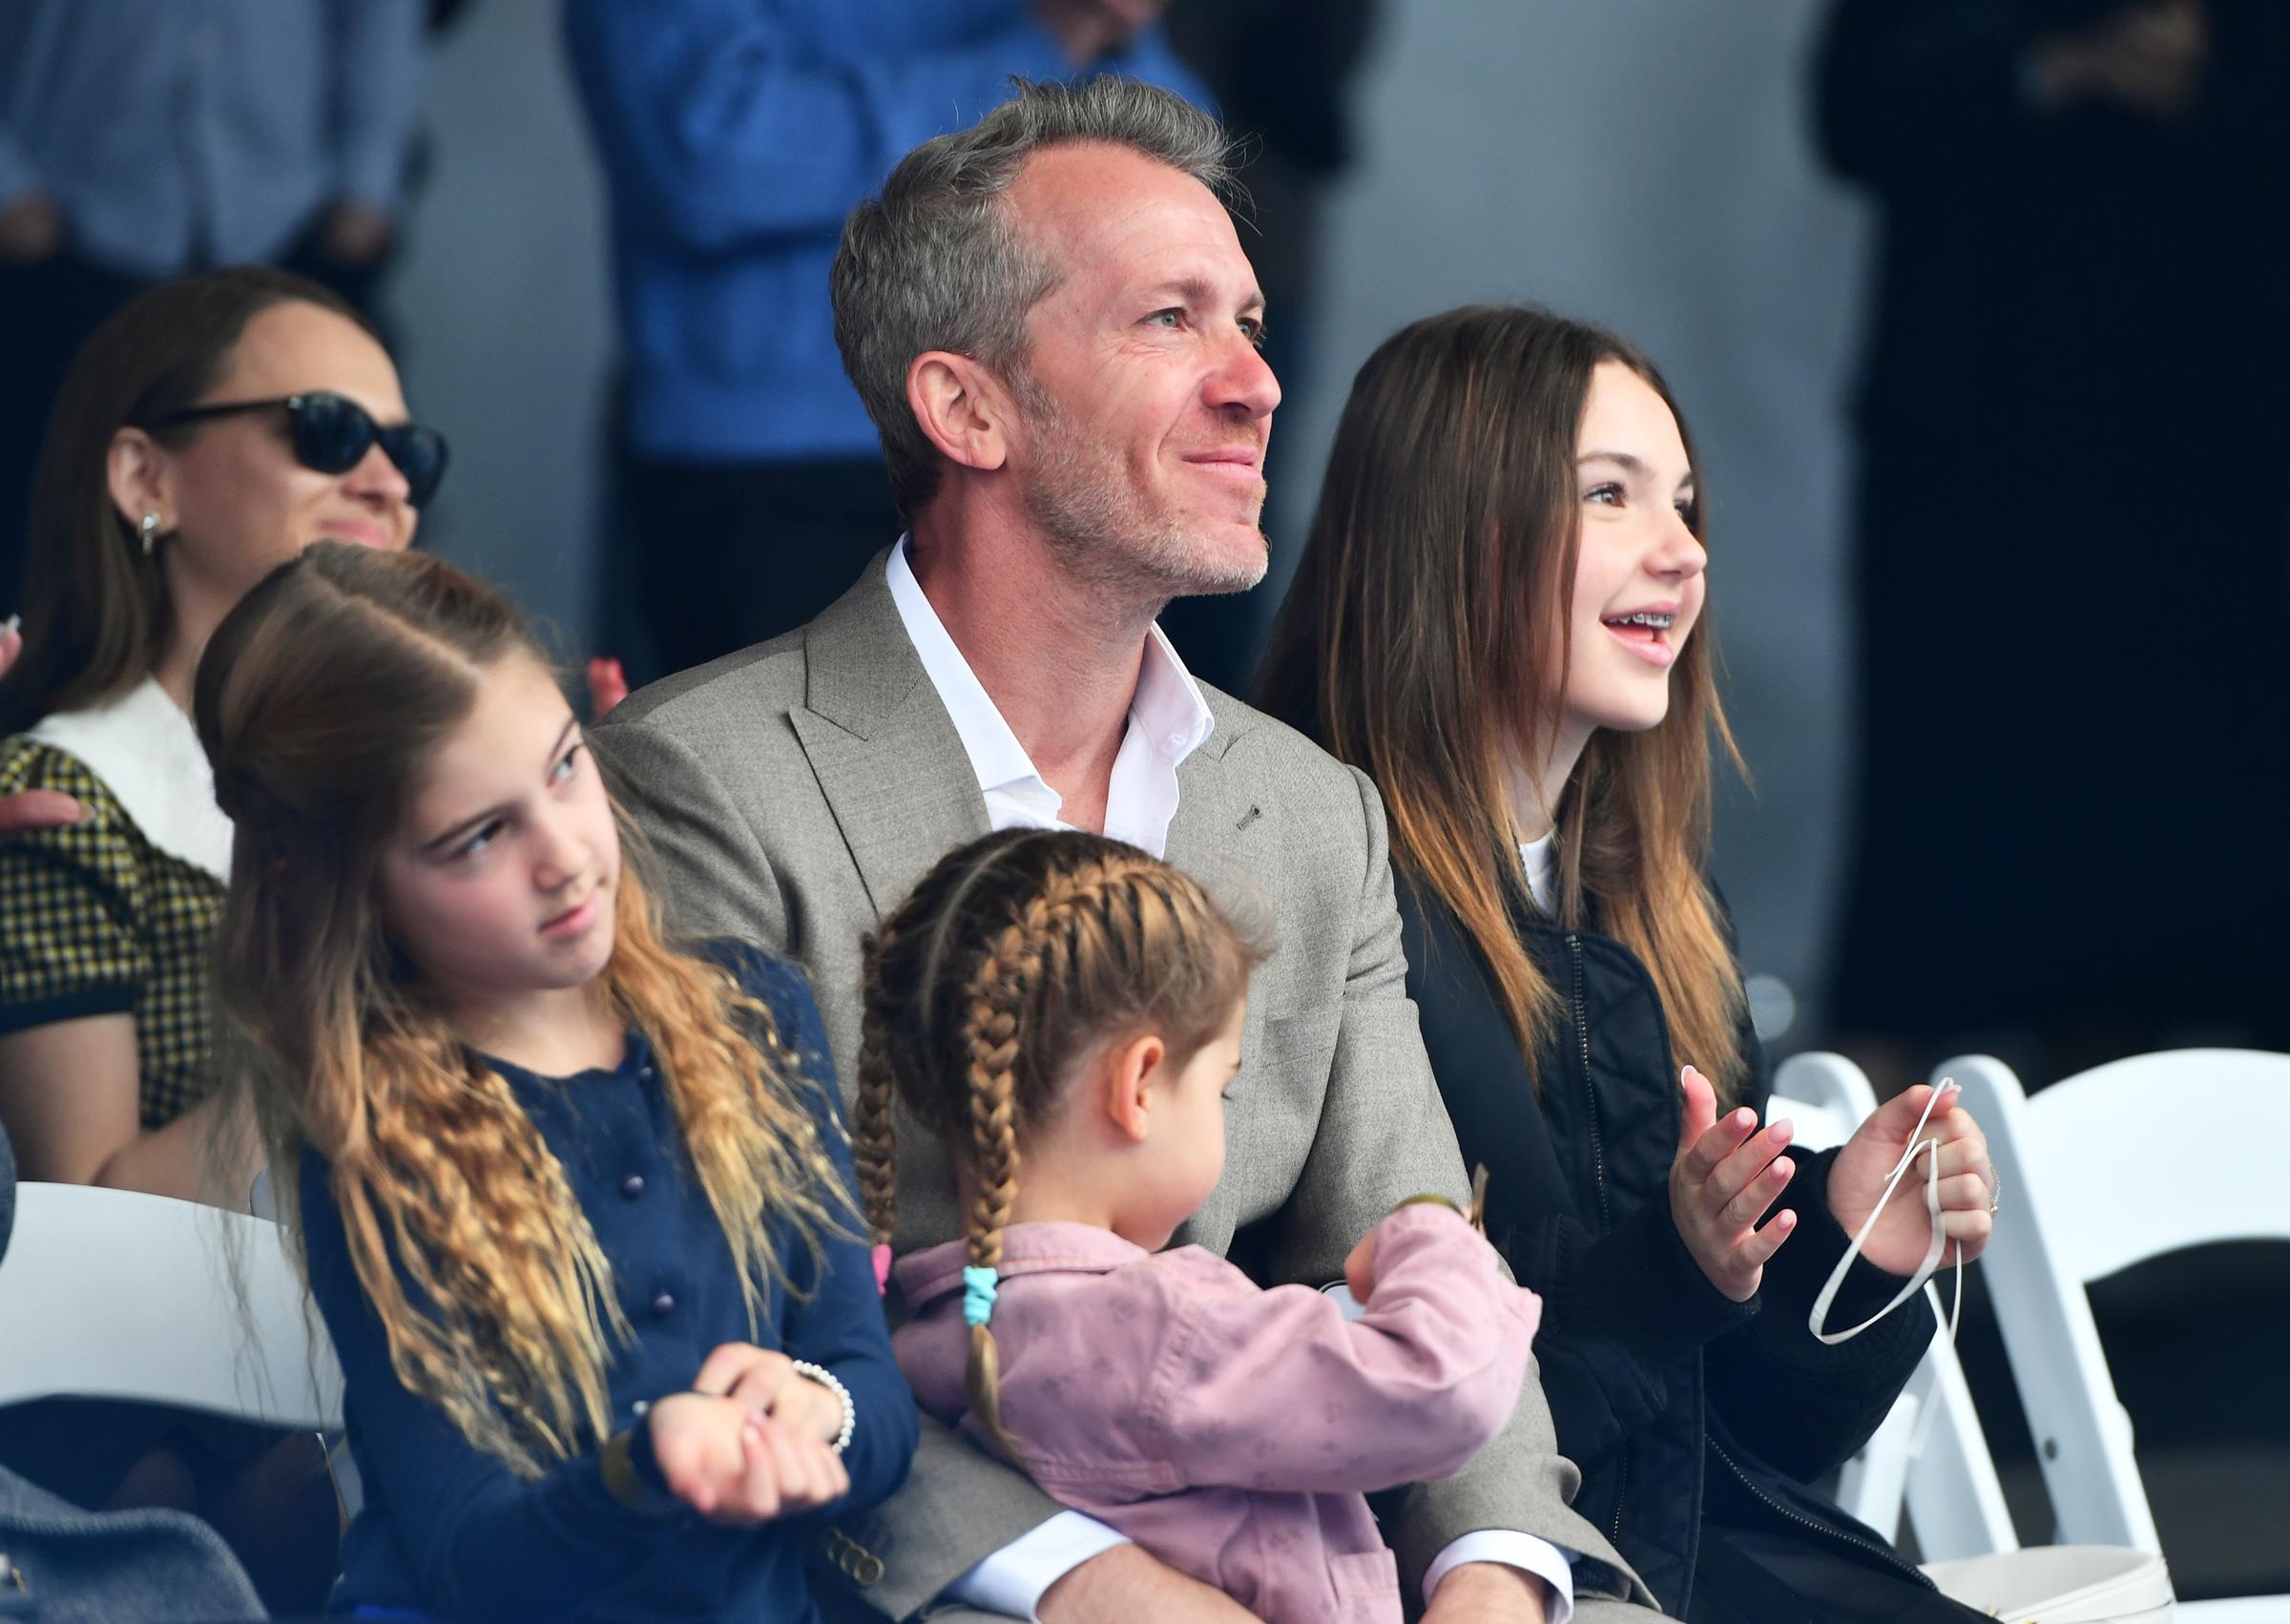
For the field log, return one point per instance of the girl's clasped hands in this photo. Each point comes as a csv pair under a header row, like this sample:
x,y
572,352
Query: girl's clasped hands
x,y
752,1441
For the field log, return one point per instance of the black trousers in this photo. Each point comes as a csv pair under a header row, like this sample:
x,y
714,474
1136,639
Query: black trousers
x,y
723,554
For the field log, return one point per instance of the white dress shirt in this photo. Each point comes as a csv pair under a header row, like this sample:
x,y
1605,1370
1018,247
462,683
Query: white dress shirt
x,y
1167,721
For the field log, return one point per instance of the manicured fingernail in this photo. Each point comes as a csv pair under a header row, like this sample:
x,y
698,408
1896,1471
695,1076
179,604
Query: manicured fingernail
x,y
1783,1131
1744,1117
13,623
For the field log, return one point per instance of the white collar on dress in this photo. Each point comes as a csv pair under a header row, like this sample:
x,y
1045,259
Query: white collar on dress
x,y
147,753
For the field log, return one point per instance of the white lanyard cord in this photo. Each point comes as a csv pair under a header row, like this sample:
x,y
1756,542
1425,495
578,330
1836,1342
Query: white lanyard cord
x,y
1929,1149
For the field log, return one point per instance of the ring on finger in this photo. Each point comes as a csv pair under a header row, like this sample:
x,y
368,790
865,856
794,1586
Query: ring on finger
x,y
1995,1190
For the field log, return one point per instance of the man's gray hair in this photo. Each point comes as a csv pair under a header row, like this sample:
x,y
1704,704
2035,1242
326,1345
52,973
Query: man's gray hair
x,y
933,260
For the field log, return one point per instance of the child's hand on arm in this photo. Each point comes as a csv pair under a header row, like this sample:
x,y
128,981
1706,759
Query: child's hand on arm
x,y
767,1383
1359,1266
1359,1269
733,1467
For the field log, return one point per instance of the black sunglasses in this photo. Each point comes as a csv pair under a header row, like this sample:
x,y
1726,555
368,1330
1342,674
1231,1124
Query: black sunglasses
x,y
332,434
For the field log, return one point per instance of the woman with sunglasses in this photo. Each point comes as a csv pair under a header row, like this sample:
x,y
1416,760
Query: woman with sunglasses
x,y
212,430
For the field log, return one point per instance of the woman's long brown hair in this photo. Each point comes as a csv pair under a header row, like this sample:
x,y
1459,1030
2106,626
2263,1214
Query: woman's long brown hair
x,y
1014,958
96,604
318,700
1420,639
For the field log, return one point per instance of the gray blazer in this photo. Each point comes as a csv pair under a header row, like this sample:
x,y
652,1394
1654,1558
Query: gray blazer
x,y
793,793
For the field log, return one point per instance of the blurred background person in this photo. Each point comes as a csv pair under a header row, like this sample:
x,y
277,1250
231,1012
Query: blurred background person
x,y
141,138
1298,137
735,136
2074,530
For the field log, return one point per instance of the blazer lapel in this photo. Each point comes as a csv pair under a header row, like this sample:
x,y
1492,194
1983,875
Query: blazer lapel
x,y
1223,834
884,751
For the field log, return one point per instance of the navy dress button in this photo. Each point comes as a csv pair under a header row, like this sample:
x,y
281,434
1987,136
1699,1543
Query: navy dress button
x,y
663,1305
633,1185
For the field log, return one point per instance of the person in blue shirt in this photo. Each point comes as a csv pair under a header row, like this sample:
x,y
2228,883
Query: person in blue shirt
x,y
735,134
577,1204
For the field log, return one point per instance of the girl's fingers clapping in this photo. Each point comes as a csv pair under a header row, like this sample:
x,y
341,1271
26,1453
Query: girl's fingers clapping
x,y
1727,1175
1901,1234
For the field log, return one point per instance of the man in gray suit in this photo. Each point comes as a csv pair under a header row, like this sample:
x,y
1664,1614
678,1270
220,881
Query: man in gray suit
x,y
1052,323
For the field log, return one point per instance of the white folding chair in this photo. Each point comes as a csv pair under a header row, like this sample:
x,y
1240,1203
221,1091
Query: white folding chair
x,y
1955,1501
2082,1203
112,1294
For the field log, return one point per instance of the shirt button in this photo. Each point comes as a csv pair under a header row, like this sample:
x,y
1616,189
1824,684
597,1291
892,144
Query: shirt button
x,y
644,1073
1177,741
663,1305
641,1408
633,1185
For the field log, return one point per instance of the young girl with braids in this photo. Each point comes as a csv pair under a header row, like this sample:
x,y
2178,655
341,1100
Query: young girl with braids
x,y
1065,1013
576,1204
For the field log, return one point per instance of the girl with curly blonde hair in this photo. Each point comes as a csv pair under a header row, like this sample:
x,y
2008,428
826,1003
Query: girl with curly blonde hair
x,y
1063,1013
576,1203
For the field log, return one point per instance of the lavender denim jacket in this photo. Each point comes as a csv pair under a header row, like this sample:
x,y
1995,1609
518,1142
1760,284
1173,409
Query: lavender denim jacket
x,y
1229,1430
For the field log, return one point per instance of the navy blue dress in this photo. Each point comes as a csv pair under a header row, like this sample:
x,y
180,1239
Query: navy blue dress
x,y
449,1531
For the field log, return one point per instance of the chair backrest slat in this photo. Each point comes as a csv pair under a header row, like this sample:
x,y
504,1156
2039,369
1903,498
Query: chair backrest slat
x,y
113,1293
2159,1152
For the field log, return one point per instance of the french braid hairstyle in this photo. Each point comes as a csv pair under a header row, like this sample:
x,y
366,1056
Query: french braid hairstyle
x,y
317,700
1018,957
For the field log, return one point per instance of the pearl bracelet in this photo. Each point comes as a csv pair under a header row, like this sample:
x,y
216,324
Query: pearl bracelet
x,y
827,1379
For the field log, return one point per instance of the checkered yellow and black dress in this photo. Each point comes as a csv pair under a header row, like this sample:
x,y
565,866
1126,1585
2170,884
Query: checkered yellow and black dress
x,y
95,920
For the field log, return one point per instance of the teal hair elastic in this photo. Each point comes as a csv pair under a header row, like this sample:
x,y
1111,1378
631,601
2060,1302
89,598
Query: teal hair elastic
x,y
978,1287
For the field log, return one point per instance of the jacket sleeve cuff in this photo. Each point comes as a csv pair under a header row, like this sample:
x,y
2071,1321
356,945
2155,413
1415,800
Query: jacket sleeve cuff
x,y
1510,1548
1014,1581
1637,1289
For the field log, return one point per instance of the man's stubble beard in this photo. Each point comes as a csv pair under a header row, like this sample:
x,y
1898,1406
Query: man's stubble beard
x,y
1101,533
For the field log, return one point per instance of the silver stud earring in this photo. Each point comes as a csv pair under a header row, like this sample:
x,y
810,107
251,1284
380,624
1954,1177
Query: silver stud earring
x,y
149,529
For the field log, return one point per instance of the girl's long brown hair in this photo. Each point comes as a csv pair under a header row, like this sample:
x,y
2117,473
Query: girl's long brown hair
x,y
1016,957
96,614
318,700
1418,643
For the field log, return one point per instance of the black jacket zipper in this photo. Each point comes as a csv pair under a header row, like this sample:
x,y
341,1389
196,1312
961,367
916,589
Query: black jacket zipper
x,y
1889,1558
1606,1221
1590,1095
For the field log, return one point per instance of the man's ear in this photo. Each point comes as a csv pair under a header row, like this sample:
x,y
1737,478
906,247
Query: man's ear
x,y
1127,1073
139,478
961,407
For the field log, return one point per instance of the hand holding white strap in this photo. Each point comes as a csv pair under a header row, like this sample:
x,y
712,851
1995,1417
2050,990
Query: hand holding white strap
x,y
1929,1150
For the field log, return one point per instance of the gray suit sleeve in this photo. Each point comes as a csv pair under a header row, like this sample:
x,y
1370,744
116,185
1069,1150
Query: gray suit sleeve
x,y
696,844
1383,1113
714,877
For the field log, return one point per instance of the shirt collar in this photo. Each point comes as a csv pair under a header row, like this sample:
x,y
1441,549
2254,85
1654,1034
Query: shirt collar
x,y
1168,708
